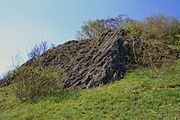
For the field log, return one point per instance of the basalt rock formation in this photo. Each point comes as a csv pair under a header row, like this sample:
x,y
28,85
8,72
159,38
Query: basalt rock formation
x,y
90,63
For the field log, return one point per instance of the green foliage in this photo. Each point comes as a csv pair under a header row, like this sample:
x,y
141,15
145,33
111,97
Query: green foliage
x,y
174,31
94,28
136,29
161,28
156,29
30,82
91,29
151,39
7,99
154,55
138,96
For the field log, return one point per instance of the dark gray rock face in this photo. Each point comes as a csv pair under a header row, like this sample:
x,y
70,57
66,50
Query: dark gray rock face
x,y
89,63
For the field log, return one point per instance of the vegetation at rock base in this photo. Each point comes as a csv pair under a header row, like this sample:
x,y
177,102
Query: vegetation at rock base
x,y
140,95
30,82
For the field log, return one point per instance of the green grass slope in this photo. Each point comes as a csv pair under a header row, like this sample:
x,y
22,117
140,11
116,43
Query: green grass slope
x,y
138,96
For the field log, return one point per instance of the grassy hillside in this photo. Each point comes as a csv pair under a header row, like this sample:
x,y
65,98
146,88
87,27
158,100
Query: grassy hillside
x,y
138,96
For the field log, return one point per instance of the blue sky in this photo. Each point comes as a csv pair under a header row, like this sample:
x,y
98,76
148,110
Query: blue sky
x,y
23,22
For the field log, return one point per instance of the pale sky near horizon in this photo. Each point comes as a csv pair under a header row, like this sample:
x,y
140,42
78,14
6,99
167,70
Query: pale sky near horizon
x,y
22,23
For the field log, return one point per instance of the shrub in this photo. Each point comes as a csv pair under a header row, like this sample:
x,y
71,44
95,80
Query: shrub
x,y
175,32
151,39
162,29
30,82
136,29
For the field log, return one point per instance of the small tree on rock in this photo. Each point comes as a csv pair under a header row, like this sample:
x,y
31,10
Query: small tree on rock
x,y
94,28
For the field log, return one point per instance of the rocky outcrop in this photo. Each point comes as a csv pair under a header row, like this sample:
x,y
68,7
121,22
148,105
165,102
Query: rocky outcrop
x,y
90,63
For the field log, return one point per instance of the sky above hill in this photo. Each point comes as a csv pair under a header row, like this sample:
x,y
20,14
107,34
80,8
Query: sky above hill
x,y
23,22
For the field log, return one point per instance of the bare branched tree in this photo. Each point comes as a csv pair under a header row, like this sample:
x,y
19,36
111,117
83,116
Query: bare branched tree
x,y
38,49
17,60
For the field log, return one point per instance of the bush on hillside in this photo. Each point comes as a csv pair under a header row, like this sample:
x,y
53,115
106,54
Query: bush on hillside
x,y
136,29
156,29
30,82
161,28
151,39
